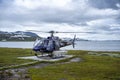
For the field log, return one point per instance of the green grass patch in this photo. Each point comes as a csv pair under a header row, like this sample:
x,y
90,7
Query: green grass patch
x,y
91,68
8,56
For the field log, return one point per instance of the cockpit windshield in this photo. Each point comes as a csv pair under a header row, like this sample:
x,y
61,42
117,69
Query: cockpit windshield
x,y
38,42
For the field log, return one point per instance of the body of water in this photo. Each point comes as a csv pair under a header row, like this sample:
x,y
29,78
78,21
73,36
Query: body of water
x,y
80,45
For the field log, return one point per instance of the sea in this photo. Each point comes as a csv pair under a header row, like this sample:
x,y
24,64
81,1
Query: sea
x,y
79,45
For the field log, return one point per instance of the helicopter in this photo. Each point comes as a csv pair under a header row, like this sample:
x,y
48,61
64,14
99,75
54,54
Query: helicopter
x,y
51,43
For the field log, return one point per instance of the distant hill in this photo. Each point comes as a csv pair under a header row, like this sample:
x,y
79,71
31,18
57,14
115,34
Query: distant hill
x,y
27,33
18,36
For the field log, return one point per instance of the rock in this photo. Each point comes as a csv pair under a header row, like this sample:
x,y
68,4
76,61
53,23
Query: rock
x,y
75,60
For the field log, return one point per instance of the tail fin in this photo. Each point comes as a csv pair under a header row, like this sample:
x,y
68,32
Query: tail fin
x,y
73,43
22,36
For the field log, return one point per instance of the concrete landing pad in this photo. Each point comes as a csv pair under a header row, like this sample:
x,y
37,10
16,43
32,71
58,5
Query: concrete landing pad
x,y
46,58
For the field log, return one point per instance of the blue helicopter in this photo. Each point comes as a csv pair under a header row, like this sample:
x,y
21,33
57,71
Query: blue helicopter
x,y
51,43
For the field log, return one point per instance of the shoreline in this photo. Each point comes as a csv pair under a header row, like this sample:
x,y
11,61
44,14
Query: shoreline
x,y
66,49
80,45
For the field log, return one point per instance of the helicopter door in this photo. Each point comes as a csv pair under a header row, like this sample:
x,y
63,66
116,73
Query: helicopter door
x,y
50,46
45,43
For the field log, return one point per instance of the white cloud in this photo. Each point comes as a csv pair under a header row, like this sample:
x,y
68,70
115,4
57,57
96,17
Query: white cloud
x,y
60,15
118,5
103,37
106,26
34,4
101,22
102,13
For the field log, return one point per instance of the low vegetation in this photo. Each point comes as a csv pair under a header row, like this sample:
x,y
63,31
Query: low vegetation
x,y
90,67
8,56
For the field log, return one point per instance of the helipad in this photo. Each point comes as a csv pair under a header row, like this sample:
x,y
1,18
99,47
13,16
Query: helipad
x,y
46,58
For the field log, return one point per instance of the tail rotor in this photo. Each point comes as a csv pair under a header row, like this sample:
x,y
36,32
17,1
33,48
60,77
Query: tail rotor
x,y
73,42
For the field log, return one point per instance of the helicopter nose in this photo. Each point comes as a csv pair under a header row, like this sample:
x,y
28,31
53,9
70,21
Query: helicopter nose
x,y
37,48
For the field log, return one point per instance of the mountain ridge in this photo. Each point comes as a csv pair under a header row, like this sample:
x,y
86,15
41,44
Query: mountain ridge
x,y
18,36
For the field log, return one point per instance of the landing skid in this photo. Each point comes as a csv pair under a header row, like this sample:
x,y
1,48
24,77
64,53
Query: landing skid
x,y
53,55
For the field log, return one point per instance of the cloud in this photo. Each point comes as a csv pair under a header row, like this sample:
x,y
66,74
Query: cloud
x,y
118,5
34,4
102,4
61,15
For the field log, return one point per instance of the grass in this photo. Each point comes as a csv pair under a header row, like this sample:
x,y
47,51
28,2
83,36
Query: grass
x,y
8,56
91,68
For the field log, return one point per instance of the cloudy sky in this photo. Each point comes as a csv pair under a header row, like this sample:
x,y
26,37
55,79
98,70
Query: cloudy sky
x,y
102,17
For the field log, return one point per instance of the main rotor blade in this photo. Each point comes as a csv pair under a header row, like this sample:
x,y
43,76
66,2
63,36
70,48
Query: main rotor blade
x,y
60,32
37,31
78,32
43,31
